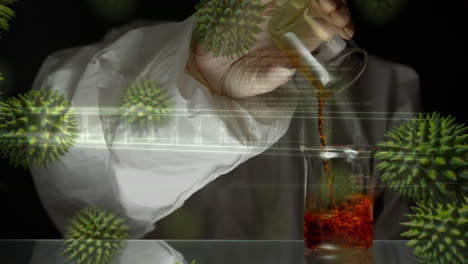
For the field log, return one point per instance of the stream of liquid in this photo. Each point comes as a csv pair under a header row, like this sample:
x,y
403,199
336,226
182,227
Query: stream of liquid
x,y
345,225
301,59
322,95
348,224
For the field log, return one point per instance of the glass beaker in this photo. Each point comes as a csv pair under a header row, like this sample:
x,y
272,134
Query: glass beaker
x,y
330,63
338,197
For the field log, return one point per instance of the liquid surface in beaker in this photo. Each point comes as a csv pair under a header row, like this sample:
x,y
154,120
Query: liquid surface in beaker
x,y
347,226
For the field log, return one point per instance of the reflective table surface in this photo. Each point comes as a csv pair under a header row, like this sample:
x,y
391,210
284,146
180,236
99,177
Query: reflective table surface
x,y
211,251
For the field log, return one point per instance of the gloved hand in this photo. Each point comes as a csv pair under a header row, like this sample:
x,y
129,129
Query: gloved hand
x,y
265,67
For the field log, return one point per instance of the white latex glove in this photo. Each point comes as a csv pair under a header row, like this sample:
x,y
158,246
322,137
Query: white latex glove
x,y
265,67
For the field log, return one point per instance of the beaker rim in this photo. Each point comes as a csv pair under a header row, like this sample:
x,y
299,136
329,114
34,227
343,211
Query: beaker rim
x,y
354,49
339,151
273,26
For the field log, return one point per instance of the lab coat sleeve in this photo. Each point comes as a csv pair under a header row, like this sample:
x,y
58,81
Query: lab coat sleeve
x,y
145,175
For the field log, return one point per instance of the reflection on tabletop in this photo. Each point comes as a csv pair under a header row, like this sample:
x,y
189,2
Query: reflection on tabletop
x,y
212,251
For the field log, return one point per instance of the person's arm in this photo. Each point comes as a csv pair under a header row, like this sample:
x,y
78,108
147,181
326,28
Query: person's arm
x,y
265,67
145,175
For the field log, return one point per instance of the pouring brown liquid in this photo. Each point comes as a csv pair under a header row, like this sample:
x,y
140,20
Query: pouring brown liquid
x,y
322,95
348,224
288,42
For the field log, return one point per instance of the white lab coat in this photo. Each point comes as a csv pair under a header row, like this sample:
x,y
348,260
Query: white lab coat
x,y
258,196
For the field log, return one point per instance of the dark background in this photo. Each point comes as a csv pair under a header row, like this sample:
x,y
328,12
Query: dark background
x,y
426,35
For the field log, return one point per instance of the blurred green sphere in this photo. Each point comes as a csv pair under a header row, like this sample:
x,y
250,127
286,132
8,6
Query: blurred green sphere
x,y
379,12
114,10
184,223
6,79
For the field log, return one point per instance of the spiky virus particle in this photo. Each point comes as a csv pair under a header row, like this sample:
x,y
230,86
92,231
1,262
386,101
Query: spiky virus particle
x,y
200,4
439,233
228,28
426,159
36,128
95,236
6,13
145,105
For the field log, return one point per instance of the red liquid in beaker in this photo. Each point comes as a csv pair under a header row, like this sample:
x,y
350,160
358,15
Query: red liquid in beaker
x,y
348,226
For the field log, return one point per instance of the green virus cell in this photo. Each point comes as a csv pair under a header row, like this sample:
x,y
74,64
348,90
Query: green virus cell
x,y
1,94
228,28
7,78
426,159
6,13
145,105
184,223
95,236
36,128
379,12
439,233
200,4
114,10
